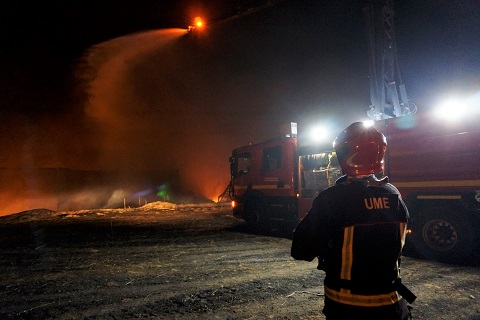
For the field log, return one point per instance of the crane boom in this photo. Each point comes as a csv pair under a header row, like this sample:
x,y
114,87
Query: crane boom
x,y
383,65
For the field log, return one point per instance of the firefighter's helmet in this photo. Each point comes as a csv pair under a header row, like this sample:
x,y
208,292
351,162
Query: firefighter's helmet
x,y
360,150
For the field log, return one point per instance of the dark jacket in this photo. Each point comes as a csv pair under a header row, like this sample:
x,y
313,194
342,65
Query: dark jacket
x,y
357,229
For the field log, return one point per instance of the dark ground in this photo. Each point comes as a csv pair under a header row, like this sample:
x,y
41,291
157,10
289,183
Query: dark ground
x,y
191,262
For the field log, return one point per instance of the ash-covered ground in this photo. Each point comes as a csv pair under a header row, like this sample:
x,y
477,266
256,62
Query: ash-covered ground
x,y
165,261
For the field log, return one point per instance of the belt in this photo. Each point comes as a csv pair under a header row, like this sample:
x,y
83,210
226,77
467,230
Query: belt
x,y
376,300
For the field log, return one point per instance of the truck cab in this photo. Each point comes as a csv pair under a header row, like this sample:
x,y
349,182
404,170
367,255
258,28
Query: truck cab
x,y
277,180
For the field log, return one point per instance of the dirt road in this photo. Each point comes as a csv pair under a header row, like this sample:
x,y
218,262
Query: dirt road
x,y
190,262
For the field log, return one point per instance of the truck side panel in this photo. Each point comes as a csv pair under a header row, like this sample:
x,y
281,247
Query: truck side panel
x,y
435,165
420,150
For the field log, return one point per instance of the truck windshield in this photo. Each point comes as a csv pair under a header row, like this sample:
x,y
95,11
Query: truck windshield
x,y
243,163
317,172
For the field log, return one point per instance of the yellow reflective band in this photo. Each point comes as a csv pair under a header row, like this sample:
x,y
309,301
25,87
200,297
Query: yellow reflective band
x,y
347,254
376,300
403,232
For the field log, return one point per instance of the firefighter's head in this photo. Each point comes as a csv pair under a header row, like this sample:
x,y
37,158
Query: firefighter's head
x,y
360,150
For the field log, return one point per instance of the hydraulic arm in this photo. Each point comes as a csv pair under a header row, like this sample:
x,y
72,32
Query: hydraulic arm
x,y
383,65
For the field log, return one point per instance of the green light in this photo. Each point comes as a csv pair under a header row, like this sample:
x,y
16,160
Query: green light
x,y
162,192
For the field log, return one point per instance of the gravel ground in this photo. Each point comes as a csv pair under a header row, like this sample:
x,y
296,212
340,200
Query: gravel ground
x,y
182,262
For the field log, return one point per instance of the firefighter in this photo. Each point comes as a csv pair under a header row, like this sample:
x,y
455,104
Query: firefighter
x,y
357,229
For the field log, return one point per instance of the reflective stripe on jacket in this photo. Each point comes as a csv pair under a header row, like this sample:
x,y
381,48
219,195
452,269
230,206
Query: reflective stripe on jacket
x,y
377,300
359,230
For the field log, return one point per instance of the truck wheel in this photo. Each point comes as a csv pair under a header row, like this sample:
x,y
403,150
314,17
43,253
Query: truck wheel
x,y
256,216
441,234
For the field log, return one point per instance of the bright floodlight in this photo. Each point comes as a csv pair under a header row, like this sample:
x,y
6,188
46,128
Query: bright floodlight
x,y
319,134
452,110
368,123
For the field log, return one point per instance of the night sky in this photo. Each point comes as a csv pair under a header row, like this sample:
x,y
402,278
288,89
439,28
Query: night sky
x,y
96,86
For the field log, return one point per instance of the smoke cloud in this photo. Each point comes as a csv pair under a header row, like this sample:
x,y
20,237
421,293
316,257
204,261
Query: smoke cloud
x,y
156,114
146,105
143,134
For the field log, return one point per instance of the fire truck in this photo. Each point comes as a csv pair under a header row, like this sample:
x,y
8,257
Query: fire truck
x,y
434,163
277,180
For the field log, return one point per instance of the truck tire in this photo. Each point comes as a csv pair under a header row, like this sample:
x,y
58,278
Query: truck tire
x,y
442,234
256,216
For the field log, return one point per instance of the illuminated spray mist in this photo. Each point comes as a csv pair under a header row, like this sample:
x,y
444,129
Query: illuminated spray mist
x,y
147,131
164,111
166,108
144,101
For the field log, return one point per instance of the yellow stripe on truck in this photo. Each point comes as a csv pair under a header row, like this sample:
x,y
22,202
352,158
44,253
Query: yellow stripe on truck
x,y
437,184
440,197
264,186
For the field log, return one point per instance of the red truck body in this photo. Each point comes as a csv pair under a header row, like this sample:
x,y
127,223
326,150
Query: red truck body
x,y
277,180
427,155
434,164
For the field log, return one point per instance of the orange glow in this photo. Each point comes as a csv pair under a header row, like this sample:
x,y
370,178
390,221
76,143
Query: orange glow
x,y
233,204
119,143
198,22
